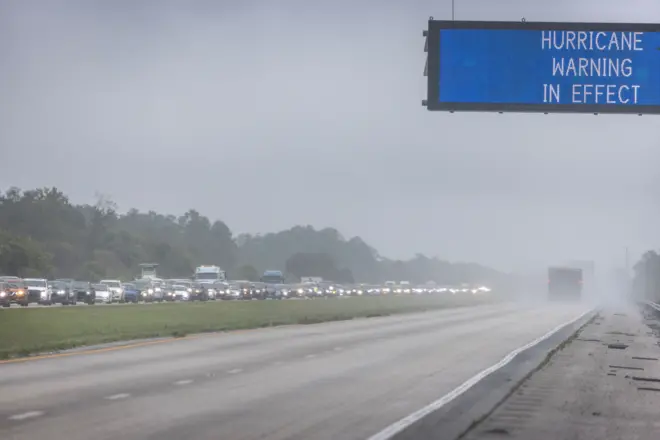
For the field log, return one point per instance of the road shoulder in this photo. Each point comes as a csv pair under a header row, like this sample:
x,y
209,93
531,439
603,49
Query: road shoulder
x,y
604,384
461,414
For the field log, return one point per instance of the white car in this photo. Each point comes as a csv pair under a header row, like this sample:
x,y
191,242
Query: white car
x,y
116,289
102,293
38,290
181,292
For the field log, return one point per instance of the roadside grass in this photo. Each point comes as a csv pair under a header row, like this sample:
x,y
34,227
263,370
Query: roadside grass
x,y
39,330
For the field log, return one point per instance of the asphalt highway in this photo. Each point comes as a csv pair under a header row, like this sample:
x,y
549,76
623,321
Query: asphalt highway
x,y
341,380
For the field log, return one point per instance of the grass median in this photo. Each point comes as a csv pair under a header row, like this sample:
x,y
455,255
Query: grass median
x,y
38,330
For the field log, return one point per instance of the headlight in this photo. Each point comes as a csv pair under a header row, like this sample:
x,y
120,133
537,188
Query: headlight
x,y
158,289
301,291
19,293
3,294
258,291
61,292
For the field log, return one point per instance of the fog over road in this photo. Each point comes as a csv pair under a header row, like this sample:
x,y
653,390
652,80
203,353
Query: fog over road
x,y
340,380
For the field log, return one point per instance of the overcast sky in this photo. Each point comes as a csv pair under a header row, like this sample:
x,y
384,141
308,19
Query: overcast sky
x,y
271,113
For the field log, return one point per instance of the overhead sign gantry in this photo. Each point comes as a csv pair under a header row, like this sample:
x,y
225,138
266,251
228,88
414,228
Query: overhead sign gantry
x,y
543,67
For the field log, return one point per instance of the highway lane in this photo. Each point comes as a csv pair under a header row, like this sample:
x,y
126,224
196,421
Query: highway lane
x,y
343,380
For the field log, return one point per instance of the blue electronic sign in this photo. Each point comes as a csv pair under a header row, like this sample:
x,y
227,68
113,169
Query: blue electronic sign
x,y
544,67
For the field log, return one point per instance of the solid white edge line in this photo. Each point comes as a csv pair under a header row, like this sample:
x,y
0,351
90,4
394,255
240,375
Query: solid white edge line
x,y
402,424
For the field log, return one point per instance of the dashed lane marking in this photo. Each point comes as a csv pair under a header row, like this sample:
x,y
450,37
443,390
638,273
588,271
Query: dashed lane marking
x,y
235,370
183,382
26,415
118,396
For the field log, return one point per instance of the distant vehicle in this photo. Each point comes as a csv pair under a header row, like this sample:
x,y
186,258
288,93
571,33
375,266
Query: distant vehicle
x,y
101,293
4,294
61,292
168,290
258,290
146,289
316,280
199,292
564,283
234,291
221,289
38,291
181,292
272,277
14,291
148,270
116,289
209,274
82,291
131,293
240,289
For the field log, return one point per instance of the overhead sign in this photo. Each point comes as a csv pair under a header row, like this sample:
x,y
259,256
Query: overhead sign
x,y
543,67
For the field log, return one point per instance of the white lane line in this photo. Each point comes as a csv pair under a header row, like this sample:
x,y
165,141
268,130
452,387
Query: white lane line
x,y
309,356
118,396
337,349
183,382
26,415
235,370
402,424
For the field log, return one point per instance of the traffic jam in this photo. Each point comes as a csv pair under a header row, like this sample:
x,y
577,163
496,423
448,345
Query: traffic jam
x,y
209,283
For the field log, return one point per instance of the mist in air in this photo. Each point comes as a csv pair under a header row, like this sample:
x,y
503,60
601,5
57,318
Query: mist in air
x,y
272,114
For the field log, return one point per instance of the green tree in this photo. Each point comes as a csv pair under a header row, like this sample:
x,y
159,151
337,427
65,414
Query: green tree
x,y
247,272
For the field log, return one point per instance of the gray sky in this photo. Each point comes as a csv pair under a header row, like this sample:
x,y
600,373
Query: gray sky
x,y
310,112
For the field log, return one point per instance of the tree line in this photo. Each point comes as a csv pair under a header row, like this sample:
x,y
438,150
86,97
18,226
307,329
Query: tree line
x,y
646,280
44,234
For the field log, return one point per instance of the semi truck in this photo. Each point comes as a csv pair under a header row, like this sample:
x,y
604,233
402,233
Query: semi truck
x,y
564,283
273,277
209,274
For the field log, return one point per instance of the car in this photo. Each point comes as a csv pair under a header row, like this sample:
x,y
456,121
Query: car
x,y
147,289
221,289
15,291
258,290
199,292
38,291
116,289
234,290
61,292
101,293
181,292
5,300
168,291
83,292
131,293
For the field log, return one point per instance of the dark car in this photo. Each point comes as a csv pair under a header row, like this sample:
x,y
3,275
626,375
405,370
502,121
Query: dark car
x,y
61,292
199,292
258,290
83,291
146,289
168,291
131,293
